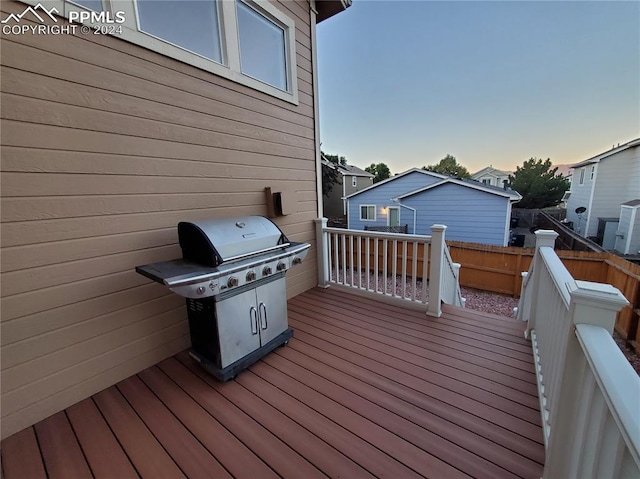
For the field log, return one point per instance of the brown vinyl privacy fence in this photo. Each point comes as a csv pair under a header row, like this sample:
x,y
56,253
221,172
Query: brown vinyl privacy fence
x,y
498,269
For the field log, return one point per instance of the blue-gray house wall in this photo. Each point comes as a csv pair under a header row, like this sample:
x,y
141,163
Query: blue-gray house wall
x,y
381,197
470,215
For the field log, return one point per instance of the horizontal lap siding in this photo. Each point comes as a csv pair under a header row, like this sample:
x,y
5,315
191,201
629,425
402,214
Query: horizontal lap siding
x,y
470,215
106,146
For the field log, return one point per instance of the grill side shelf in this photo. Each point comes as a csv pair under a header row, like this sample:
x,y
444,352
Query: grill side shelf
x,y
164,271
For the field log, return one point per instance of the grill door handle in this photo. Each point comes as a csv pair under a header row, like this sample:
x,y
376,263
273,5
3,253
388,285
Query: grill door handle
x,y
263,316
253,317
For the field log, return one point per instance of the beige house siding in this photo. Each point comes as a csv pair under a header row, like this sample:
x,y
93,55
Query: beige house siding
x,y
105,147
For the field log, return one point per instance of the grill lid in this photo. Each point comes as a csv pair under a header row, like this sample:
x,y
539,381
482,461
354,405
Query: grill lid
x,y
213,242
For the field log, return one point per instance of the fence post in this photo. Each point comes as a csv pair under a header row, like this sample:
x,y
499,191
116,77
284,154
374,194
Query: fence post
x,y
591,303
322,252
434,307
544,238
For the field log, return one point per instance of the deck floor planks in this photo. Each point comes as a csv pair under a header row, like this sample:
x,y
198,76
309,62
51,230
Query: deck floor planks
x,y
457,436
463,396
146,453
364,389
369,461
239,426
416,392
471,374
428,328
211,433
376,407
427,331
188,453
21,457
392,444
438,327
493,360
330,460
102,450
60,449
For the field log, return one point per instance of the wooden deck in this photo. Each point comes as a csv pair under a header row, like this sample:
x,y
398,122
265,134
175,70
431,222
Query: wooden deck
x,y
364,389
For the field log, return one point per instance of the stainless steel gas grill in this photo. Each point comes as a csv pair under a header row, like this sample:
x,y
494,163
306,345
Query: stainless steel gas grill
x,y
232,273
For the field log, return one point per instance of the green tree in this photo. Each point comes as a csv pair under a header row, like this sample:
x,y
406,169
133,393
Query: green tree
x,y
380,171
330,174
539,183
449,166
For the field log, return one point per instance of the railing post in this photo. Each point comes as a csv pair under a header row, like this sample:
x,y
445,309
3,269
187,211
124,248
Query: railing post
x,y
434,307
543,238
322,252
591,303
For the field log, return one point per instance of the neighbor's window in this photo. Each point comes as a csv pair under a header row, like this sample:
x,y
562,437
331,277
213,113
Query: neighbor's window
x,y
354,181
191,25
263,53
486,181
593,170
582,175
368,212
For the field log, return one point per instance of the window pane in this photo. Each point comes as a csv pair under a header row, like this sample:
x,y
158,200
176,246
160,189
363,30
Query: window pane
x,y
262,47
95,5
190,24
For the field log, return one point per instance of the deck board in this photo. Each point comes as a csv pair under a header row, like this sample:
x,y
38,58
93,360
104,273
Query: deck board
x,y
61,451
364,389
105,456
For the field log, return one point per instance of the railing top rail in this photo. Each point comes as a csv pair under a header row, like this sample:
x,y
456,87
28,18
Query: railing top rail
x,y
618,382
560,275
375,234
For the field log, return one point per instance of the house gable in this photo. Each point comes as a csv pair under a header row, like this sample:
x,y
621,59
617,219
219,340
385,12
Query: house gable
x,y
381,194
471,214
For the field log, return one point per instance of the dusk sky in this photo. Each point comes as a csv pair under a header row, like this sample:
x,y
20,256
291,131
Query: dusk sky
x,y
492,83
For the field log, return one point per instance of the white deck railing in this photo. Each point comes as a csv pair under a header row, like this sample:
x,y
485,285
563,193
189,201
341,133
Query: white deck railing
x,y
416,269
588,390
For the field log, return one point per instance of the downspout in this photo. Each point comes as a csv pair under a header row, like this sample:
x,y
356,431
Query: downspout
x,y
316,113
397,200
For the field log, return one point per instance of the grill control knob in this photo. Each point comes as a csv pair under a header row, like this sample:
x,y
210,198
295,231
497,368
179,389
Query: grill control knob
x,y
281,266
201,290
296,260
232,281
267,271
251,276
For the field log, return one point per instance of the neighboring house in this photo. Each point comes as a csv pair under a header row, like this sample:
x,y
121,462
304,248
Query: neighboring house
x,y
350,179
628,233
600,186
108,142
472,211
492,177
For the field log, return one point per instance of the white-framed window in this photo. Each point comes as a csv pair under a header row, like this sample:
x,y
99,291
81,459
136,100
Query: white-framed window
x,y
367,212
354,181
486,181
582,170
247,41
593,171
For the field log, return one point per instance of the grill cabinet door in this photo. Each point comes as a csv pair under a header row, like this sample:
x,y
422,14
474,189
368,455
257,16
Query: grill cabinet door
x,y
272,309
238,327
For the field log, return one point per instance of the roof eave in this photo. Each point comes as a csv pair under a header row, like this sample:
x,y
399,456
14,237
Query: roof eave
x,y
329,8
